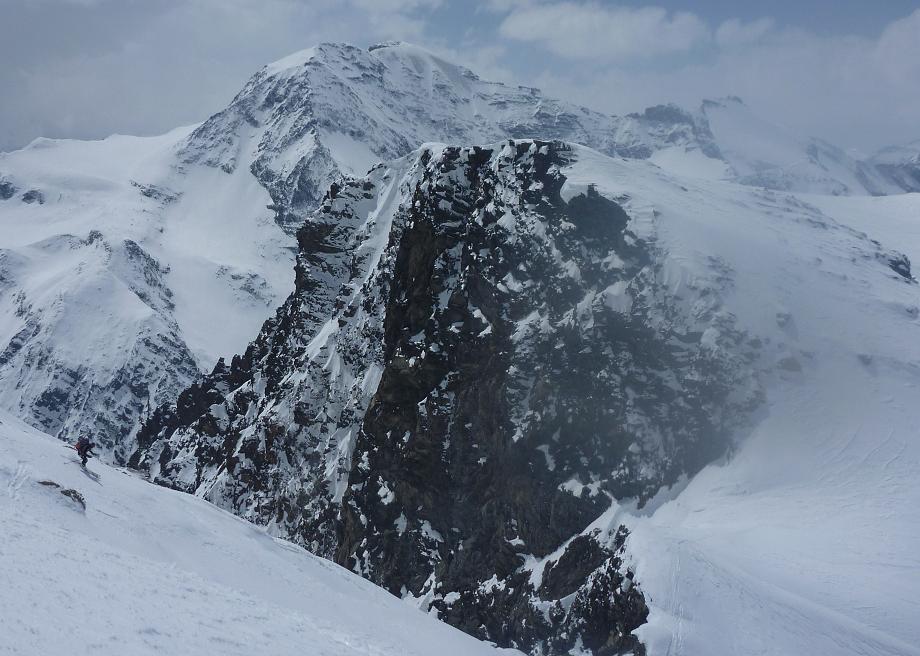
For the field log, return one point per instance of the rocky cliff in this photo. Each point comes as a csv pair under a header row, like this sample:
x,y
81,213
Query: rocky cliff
x,y
470,369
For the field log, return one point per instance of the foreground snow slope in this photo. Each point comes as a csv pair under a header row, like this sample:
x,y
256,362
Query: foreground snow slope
x,y
146,570
804,541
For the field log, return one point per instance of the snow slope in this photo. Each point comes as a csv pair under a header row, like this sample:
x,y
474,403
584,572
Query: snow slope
x,y
146,570
760,153
892,220
125,278
804,540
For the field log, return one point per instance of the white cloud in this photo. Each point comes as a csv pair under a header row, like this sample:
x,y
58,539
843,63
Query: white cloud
x,y
386,6
590,30
854,91
897,53
735,33
101,66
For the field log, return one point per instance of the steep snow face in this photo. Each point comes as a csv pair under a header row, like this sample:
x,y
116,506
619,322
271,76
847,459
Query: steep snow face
x,y
762,154
116,566
121,278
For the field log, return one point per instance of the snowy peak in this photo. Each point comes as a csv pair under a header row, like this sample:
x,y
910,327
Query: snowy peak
x,y
335,110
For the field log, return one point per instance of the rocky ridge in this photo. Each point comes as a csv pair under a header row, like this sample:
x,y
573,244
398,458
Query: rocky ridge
x,y
469,370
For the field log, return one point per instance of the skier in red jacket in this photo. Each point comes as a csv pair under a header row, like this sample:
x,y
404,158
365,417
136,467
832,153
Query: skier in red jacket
x,y
84,449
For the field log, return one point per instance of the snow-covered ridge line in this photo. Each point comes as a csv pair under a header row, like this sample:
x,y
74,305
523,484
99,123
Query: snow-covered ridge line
x,y
113,280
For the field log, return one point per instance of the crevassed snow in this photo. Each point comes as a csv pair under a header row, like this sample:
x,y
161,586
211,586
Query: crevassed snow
x,y
147,570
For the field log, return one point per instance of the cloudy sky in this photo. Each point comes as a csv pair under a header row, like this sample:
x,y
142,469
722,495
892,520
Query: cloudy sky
x,y
845,70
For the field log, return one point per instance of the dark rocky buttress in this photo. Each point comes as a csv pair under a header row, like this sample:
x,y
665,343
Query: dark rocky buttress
x,y
470,370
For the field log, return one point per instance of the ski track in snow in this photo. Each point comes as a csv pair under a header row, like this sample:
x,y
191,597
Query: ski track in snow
x,y
146,570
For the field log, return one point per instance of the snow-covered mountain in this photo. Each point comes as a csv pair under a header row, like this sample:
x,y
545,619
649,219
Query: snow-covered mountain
x,y
117,566
337,110
766,155
500,364
566,401
130,265
750,150
121,278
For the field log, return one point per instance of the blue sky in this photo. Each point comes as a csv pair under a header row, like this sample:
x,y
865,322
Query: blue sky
x,y
845,70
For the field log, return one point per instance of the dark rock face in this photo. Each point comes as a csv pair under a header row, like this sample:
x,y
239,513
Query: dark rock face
x,y
7,190
33,196
670,125
470,368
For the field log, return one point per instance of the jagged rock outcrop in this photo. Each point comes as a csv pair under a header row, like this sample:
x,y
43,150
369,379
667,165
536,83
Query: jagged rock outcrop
x,y
470,368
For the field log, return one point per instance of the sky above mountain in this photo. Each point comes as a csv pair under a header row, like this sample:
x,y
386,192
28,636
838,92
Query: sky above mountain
x,y
845,70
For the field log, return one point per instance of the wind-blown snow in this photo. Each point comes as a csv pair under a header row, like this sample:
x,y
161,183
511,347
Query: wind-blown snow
x,y
147,570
